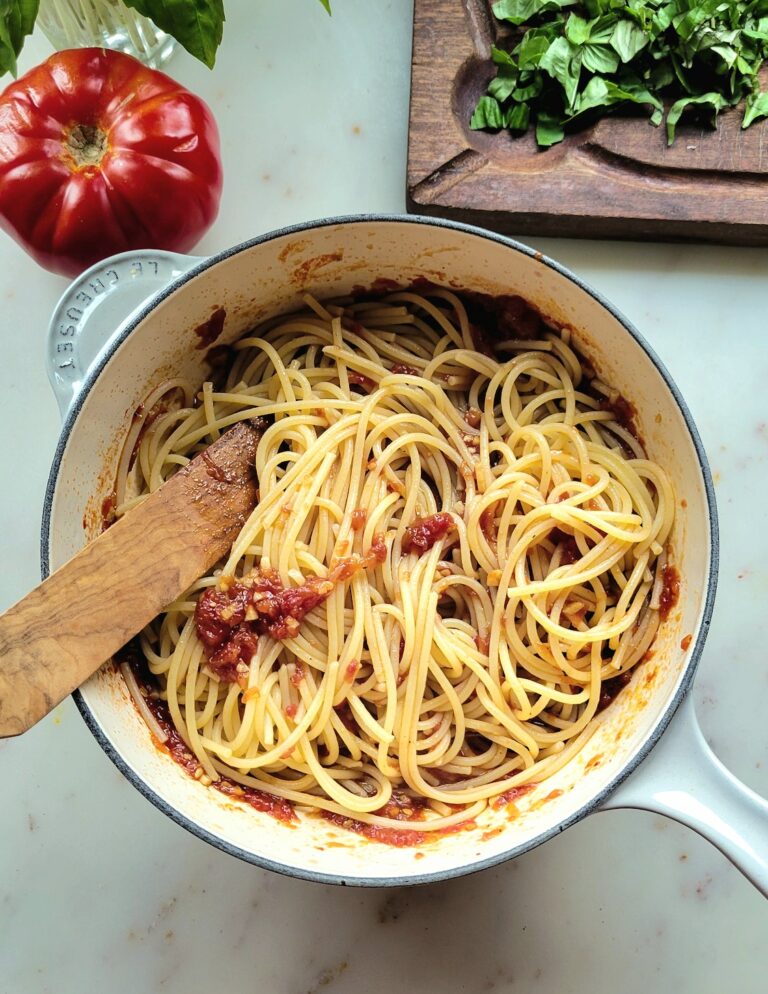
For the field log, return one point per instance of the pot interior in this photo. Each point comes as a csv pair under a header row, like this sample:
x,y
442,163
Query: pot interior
x,y
269,277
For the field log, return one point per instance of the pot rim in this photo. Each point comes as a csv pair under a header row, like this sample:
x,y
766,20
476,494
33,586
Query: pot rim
x,y
670,707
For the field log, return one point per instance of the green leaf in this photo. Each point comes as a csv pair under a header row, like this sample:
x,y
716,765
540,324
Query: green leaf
x,y
520,11
601,29
17,19
197,25
757,107
326,4
628,39
502,87
576,29
693,15
573,58
601,92
487,114
524,93
534,46
600,59
563,63
549,130
726,53
715,101
506,79
502,58
518,117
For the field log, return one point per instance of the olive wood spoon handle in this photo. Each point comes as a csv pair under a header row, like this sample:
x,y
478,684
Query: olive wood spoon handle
x,y
61,632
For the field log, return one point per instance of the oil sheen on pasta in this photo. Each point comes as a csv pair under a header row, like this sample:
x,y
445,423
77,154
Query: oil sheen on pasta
x,y
457,557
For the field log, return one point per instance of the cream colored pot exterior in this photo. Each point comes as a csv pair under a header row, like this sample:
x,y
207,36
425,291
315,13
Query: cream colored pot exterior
x,y
269,276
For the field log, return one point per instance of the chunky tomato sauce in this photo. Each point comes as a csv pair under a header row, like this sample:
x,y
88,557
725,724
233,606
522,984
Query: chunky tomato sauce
x,y
230,618
424,532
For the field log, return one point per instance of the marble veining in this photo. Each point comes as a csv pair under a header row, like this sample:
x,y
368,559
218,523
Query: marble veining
x,y
99,891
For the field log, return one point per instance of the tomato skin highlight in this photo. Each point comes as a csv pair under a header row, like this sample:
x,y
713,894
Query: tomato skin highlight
x,y
99,154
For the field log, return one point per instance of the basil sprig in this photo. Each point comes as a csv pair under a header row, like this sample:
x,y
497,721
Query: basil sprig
x,y
197,25
570,61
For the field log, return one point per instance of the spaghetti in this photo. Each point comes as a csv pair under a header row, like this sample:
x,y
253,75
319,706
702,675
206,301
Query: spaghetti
x,y
456,554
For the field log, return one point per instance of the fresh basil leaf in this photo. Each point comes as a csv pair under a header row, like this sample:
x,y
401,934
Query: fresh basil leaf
x,y
757,107
661,76
549,130
715,101
726,53
326,4
572,58
599,58
628,39
502,58
601,29
520,11
502,86
518,117
563,63
525,93
488,114
686,23
601,92
576,29
197,25
17,19
534,46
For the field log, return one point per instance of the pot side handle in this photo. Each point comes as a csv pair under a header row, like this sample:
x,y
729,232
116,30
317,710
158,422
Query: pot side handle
x,y
96,306
684,780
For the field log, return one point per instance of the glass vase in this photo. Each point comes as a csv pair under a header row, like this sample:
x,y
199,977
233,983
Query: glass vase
x,y
104,24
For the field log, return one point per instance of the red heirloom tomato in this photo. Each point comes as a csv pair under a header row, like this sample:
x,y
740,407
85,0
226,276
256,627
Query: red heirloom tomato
x,y
99,154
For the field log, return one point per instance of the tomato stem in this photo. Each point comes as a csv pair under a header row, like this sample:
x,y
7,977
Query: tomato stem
x,y
86,145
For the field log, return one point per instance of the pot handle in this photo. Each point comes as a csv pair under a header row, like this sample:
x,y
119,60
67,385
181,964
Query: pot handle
x,y
684,780
96,306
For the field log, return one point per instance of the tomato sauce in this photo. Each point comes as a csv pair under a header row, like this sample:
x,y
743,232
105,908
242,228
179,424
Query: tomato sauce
x,y
179,751
670,589
108,515
360,380
488,523
624,414
424,532
400,807
229,621
511,795
359,518
610,689
209,330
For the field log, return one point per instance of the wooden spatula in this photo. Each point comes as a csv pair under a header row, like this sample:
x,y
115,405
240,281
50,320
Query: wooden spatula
x,y
58,635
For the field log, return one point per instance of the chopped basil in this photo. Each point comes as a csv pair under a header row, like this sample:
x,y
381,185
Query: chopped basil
x,y
569,61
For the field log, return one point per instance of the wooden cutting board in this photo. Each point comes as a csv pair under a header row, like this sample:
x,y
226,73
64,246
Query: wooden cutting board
x,y
616,180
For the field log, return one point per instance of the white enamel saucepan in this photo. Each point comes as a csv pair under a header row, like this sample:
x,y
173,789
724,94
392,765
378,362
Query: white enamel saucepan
x,y
647,752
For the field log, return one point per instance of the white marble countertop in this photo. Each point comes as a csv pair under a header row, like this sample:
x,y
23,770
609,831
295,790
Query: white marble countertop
x,y
100,891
